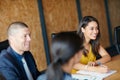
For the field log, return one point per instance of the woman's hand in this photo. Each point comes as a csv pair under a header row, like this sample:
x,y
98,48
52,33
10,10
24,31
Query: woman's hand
x,y
102,69
92,64
97,67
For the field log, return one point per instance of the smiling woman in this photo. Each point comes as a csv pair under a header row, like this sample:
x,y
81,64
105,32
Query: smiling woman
x,y
89,31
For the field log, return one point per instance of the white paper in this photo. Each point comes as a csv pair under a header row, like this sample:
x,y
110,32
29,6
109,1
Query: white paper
x,y
85,77
96,74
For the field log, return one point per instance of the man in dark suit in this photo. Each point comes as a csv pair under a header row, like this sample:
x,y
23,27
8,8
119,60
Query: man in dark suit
x,y
11,65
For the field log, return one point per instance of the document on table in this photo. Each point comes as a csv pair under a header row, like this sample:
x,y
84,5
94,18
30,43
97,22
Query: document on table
x,y
85,77
88,75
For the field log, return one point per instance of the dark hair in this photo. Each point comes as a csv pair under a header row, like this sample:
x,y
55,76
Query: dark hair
x,y
94,43
2,77
64,47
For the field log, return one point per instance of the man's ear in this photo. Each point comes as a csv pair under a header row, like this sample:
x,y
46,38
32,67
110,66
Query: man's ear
x,y
83,30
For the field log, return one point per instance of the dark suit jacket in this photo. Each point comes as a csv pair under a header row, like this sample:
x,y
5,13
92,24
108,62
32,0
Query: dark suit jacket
x,y
11,69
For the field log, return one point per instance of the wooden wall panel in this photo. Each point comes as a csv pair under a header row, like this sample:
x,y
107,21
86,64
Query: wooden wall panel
x,y
60,15
96,8
26,11
114,11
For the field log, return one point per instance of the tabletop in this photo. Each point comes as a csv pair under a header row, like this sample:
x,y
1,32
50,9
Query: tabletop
x,y
114,64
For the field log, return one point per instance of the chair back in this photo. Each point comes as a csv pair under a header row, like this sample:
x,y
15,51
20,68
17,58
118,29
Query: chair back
x,y
117,38
54,34
4,45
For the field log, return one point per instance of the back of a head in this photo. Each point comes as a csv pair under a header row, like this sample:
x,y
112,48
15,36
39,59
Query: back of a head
x,y
14,27
64,47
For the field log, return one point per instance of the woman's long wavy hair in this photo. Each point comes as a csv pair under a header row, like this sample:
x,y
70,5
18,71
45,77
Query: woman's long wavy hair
x,y
64,46
94,43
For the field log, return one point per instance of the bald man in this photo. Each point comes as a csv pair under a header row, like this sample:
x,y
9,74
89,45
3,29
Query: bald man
x,y
11,65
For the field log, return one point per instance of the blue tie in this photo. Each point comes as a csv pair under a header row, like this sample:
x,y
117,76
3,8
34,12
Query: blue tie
x,y
28,73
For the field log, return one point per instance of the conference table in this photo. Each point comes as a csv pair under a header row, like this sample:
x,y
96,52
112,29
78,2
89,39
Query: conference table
x,y
114,64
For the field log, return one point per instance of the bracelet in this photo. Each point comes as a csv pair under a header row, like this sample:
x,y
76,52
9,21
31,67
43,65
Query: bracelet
x,y
98,63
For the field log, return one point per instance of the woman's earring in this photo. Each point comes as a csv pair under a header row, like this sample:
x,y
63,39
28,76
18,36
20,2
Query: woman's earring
x,y
82,29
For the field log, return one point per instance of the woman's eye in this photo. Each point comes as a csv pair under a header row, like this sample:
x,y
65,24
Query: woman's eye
x,y
92,28
25,36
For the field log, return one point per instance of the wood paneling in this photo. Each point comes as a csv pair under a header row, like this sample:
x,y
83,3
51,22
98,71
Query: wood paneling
x,y
114,12
26,11
96,8
60,15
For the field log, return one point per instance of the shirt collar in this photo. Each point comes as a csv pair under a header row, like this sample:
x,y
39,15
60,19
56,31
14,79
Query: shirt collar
x,y
17,55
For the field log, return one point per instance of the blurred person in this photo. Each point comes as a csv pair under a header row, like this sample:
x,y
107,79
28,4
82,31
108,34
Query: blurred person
x,y
66,51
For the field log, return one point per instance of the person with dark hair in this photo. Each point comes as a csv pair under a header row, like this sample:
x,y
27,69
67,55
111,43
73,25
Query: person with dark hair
x,y
66,49
89,31
17,62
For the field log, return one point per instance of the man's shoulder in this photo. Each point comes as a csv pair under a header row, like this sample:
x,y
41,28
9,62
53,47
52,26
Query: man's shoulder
x,y
5,58
3,53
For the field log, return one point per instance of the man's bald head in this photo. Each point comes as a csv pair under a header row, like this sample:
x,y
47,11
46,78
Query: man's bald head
x,y
14,27
19,37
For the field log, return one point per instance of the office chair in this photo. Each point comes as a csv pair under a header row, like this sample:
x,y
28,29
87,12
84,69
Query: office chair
x,y
117,38
4,45
115,48
112,50
54,34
